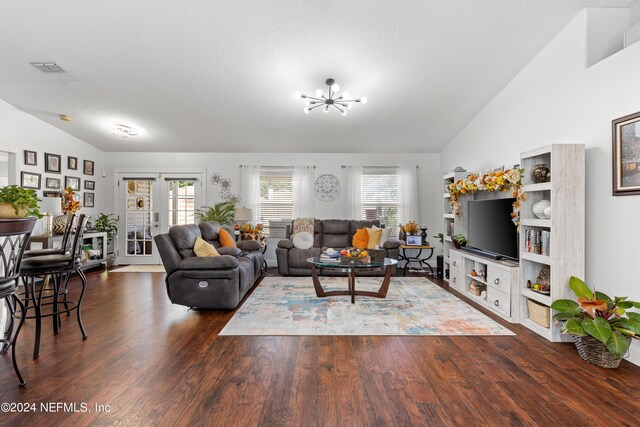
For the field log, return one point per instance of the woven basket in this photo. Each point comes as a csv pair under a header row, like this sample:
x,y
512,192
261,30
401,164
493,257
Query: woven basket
x,y
596,353
539,313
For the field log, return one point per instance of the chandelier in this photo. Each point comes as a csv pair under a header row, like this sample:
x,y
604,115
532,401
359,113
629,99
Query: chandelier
x,y
342,103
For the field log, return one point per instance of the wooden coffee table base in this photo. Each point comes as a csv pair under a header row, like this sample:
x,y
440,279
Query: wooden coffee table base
x,y
320,292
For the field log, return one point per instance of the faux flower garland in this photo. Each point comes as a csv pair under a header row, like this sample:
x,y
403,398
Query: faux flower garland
x,y
509,180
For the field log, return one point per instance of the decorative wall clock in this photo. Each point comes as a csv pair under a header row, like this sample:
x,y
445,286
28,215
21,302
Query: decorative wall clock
x,y
327,187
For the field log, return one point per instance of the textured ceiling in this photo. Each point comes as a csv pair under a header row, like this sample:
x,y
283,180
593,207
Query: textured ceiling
x,y
220,75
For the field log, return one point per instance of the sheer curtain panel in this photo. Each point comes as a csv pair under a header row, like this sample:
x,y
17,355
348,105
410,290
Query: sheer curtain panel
x,y
251,190
353,191
303,191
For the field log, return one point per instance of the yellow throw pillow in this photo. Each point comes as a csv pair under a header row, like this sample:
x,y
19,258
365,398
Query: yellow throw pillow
x,y
203,248
226,240
360,238
375,234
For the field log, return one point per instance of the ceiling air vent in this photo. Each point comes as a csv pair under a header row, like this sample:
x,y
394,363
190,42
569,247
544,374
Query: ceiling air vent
x,y
48,67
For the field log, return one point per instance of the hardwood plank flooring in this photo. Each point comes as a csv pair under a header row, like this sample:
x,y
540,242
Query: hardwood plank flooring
x,y
154,363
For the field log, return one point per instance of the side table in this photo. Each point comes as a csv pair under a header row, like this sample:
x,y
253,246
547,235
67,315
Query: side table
x,y
418,258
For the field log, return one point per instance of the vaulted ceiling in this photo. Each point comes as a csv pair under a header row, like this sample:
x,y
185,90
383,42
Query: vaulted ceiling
x,y
203,75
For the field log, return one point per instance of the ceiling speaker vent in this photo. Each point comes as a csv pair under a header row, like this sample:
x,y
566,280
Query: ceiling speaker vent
x,y
48,67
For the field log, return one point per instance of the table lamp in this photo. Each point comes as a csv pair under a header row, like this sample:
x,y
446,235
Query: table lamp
x,y
243,215
49,206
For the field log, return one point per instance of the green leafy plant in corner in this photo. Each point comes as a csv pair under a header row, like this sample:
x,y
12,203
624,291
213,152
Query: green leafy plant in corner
x,y
599,316
107,223
221,212
21,198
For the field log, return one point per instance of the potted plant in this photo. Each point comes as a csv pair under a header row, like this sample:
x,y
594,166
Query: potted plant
x,y
108,223
222,212
601,327
18,202
459,240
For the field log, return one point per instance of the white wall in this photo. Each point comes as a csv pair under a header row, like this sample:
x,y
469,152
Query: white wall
x,y
227,164
22,131
556,99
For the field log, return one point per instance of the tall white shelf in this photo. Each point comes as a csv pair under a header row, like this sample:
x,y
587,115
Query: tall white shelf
x,y
566,192
449,219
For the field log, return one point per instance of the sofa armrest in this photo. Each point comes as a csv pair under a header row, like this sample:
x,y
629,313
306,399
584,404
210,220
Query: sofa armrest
x,y
285,244
249,245
168,253
229,250
391,244
222,262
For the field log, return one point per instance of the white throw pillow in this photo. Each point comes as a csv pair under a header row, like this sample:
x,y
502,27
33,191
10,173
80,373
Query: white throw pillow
x,y
386,234
303,240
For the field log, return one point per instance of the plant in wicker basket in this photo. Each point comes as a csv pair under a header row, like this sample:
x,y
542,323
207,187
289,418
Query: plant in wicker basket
x,y
602,327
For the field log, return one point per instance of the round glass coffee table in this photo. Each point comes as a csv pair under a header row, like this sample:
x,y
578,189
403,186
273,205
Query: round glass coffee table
x,y
350,266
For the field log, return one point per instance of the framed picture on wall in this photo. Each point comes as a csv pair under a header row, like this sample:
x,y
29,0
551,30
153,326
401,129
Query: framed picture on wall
x,y
52,163
72,182
89,185
30,158
626,155
88,167
51,194
88,200
53,183
30,180
72,163
414,240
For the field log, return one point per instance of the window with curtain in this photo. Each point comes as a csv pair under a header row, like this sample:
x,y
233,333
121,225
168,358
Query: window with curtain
x,y
379,194
181,202
276,195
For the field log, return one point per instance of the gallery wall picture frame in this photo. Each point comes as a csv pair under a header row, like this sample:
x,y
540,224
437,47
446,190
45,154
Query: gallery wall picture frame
x,y
53,183
89,200
88,167
72,182
89,185
30,180
626,155
30,158
52,163
72,163
51,194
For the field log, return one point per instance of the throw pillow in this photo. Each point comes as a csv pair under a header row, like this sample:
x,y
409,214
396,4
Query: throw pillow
x,y
226,240
204,248
386,235
360,238
302,224
303,240
375,234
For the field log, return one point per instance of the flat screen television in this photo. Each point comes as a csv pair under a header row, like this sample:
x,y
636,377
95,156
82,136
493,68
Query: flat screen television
x,y
491,231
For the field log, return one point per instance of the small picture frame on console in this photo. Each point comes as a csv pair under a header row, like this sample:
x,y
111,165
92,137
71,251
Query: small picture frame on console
x,y
414,240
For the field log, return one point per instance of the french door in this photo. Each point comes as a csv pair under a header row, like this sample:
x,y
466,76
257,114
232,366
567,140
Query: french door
x,y
150,204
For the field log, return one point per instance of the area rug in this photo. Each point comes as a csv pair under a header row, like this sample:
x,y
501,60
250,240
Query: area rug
x,y
152,268
413,306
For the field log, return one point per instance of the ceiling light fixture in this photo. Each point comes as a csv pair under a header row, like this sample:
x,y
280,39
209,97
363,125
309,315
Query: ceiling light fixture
x,y
123,131
342,103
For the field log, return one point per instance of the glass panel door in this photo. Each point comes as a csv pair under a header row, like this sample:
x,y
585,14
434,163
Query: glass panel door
x,y
181,195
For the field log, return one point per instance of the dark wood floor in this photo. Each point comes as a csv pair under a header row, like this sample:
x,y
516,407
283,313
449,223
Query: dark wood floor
x,y
158,364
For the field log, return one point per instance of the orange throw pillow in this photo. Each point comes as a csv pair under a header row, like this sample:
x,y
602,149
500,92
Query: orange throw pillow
x,y
360,238
226,240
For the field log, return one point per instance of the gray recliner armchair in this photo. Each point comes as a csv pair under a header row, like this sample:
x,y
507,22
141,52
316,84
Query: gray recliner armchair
x,y
207,282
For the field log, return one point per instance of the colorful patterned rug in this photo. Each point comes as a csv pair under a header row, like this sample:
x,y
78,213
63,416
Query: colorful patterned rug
x,y
413,306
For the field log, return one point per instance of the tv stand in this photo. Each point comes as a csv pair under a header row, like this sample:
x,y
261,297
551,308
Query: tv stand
x,y
497,278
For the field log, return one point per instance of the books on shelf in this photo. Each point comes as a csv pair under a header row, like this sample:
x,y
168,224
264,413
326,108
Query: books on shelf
x,y
537,241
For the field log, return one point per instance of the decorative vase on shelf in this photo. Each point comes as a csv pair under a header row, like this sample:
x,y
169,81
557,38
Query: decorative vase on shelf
x,y
538,208
540,173
424,236
547,212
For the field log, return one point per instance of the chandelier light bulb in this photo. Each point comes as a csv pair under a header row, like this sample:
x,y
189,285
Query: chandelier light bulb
x,y
344,113
326,108
306,110
363,100
307,102
319,93
297,95
335,87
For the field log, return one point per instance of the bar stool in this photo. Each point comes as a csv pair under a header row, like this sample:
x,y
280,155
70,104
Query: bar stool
x,y
55,251
14,236
58,267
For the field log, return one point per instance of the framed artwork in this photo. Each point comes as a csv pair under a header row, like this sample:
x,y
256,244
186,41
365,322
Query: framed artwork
x,y
30,158
72,182
52,163
88,167
51,194
414,240
626,155
30,180
89,185
88,200
53,183
72,163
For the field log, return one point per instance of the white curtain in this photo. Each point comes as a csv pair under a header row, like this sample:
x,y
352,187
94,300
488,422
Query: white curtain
x,y
353,191
251,190
408,194
303,191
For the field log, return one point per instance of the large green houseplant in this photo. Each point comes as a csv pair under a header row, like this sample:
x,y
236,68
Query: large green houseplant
x,y
18,202
598,316
222,212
